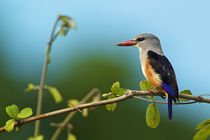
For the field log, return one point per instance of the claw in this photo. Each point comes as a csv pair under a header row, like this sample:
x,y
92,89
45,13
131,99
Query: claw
x,y
151,92
162,96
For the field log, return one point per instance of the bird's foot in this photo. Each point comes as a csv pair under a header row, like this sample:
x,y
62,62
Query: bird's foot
x,y
151,91
162,96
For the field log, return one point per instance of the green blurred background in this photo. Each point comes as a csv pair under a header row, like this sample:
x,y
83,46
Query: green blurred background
x,y
86,59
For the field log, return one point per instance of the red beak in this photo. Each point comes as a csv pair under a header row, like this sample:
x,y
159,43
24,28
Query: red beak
x,y
126,43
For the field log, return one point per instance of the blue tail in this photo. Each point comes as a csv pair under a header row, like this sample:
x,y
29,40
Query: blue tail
x,y
169,107
171,96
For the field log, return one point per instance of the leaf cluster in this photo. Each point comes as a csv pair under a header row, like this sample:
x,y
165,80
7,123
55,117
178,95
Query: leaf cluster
x,y
16,116
66,24
115,91
52,90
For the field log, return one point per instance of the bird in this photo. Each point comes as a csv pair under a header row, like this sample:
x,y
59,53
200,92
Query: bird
x,y
156,68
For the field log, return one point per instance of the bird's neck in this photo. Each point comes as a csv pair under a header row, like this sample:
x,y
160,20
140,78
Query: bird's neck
x,y
145,50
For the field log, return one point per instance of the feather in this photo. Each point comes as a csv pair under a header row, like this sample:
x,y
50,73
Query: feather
x,y
169,107
163,67
167,88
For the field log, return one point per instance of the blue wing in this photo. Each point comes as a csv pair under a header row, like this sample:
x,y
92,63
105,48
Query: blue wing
x,y
163,67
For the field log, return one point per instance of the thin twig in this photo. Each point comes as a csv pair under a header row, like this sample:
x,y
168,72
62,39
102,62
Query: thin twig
x,y
162,102
43,78
70,115
185,96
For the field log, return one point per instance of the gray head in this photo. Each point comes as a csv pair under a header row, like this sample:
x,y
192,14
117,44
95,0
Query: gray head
x,y
144,42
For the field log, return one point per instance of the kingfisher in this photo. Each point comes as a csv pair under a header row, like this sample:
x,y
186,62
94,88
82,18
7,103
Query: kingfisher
x,y
155,66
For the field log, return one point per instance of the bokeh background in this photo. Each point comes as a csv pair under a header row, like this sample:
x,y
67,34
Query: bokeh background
x,y
86,59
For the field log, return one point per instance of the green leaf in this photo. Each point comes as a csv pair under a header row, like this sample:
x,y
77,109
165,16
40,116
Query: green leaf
x,y
72,24
40,137
65,21
152,116
61,32
29,88
187,92
145,85
24,113
12,111
203,124
111,107
9,125
17,128
105,95
72,102
85,112
202,134
56,94
116,89
71,137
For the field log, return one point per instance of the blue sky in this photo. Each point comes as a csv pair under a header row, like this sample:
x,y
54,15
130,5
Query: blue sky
x,y
182,26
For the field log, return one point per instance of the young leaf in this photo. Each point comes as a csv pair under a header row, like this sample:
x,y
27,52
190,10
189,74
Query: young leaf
x,y
111,107
187,92
30,87
65,22
203,124
202,134
61,32
40,137
73,25
12,111
56,94
152,116
71,137
17,128
9,125
85,112
116,89
105,95
24,113
145,85
72,102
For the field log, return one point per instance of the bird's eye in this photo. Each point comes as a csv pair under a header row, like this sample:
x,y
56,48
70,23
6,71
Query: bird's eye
x,y
140,39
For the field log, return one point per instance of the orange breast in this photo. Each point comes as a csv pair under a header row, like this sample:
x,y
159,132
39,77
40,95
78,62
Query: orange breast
x,y
152,76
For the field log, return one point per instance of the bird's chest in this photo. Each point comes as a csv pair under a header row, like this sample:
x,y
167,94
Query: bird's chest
x,y
152,77
142,57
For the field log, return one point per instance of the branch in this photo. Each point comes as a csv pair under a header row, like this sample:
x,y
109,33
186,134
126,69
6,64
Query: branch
x,y
70,115
43,78
128,95
162,102
53,36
